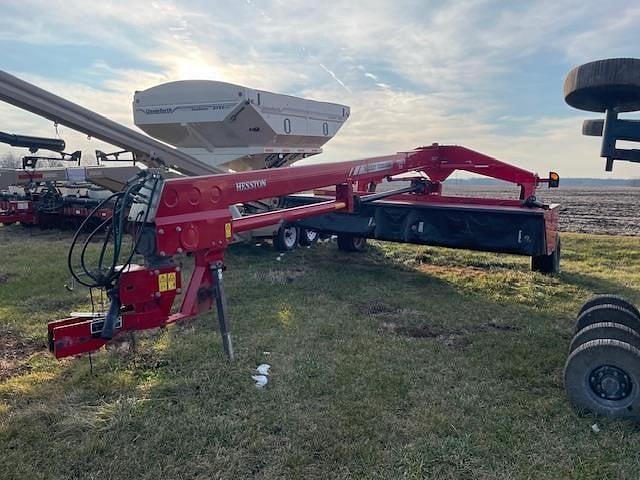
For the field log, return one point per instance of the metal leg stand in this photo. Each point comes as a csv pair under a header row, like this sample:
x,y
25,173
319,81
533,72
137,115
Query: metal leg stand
x,y
221,306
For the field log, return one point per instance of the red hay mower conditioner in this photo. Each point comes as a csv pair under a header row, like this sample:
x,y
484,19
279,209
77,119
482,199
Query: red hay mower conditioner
x,y
191,216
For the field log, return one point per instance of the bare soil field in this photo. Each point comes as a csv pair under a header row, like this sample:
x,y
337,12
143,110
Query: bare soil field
x,y
599,210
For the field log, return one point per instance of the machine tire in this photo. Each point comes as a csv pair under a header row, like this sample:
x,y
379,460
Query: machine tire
x,y
610,330
604,84
308,237
351,243
607,313
548,264
610,299
603,377
287,238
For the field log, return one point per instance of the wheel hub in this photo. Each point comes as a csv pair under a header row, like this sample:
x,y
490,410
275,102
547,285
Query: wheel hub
x,y
610,383
290,236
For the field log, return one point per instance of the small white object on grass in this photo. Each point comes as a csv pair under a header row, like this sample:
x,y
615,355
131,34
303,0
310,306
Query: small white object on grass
x,y
261,380
595,428
263,369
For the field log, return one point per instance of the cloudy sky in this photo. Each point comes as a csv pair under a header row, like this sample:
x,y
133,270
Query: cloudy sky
x,y
481,73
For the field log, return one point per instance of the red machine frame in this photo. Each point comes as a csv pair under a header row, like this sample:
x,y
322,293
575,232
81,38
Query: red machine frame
x,y
192,216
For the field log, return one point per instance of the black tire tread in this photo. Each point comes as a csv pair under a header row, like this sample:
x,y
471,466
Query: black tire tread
x,y
605,330
611,298
603,84
607,313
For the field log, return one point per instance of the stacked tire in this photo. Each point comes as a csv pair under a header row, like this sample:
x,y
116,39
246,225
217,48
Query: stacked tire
x,y
602,373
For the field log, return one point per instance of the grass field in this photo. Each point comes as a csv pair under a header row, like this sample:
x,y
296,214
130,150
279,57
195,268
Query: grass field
x,y
404,362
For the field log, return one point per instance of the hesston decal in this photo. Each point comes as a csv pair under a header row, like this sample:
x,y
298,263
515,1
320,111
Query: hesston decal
x,y
251,185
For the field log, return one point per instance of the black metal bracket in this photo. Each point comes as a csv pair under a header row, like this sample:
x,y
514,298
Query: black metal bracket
x,y
612,129
114,156
31,161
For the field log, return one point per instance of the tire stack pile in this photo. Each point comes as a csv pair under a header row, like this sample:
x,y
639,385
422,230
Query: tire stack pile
x,y
602,373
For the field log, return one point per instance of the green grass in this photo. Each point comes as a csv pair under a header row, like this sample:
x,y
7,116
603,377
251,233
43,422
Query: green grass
x,y
404,362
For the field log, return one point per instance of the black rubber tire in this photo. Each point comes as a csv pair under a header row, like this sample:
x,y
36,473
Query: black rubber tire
x,y
609,298
583,364
593,128
351,243
308,237
607,313
604,84
287,238
548,264
610,330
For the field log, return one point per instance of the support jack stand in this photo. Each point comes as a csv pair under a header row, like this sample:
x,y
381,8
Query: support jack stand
x,y
221,307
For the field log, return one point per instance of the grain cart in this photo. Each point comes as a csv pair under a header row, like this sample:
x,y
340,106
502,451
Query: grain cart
x,y
602,373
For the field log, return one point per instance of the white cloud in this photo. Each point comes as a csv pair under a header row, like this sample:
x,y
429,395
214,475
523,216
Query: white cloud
x,y
414,72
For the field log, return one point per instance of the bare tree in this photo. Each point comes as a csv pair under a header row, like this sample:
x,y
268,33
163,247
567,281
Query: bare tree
x,y
9,160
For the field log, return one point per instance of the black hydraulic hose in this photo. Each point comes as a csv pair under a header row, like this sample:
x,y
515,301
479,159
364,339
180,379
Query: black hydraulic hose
x,y
144,221
88,272
108,278
77,234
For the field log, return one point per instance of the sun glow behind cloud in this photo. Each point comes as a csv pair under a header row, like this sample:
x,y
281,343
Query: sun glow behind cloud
x,y
486,74
195,68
